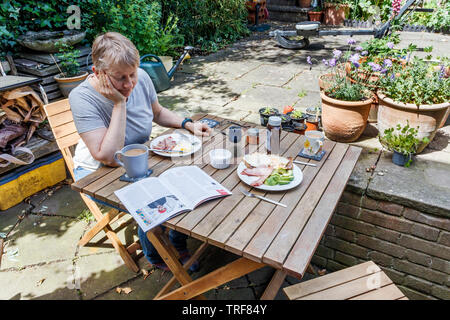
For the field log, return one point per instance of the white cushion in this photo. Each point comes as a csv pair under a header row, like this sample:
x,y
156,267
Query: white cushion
x,y
307,27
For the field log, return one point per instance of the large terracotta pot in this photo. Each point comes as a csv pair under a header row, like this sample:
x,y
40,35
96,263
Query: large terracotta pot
x,y
427,117
344,121
335,13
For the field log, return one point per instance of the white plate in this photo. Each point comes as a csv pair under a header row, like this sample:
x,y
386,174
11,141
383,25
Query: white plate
x,y
298,177
177,137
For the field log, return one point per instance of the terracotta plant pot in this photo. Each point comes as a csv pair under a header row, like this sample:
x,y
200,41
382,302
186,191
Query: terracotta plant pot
x,y
344,121
304,3
427,117
68,84
324,81
315,15
335,13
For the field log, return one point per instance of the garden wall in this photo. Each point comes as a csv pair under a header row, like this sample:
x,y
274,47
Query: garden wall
x,y
407,238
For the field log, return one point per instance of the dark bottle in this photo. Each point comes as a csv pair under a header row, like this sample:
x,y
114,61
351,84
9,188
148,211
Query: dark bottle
x,y
273,135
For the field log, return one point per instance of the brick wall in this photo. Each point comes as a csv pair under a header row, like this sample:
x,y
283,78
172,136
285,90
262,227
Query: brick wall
x,y
412,247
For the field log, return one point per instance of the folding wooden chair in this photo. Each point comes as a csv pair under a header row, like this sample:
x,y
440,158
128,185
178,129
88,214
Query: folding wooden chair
x,y
60,118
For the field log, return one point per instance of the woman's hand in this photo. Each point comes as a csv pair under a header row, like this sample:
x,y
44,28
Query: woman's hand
x,y
103,85
198,128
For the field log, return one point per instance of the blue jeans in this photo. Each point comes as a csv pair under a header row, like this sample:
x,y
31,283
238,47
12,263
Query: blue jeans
x,y
178,239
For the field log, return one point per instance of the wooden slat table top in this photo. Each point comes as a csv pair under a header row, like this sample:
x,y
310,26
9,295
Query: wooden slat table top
x,y
284,238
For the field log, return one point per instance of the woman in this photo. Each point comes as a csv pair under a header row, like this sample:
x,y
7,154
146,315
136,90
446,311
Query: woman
x,y
115,107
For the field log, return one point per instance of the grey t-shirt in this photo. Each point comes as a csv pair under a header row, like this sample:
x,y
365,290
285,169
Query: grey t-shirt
x,y
92,111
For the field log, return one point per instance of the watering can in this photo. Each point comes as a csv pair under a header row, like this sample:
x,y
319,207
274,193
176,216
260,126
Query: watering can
x,y
158,73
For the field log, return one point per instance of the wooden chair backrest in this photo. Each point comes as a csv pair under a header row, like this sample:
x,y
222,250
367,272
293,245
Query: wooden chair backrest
x,y
60,119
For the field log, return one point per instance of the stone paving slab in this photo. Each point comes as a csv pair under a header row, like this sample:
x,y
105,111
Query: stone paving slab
x,y
51,281
42,239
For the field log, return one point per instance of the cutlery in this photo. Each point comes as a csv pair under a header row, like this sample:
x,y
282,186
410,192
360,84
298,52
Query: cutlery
x,y
165,150
305,163
249,194
238,124
185,137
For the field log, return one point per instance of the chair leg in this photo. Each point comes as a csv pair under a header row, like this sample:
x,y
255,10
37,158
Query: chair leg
x,y
103,222
112,236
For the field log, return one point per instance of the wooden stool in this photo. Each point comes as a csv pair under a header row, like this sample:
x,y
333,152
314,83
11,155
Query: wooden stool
x,y
364,281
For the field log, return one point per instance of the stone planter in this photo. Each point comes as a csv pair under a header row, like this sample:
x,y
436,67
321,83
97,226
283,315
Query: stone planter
x,y
68,84
344,121
335,13
427,117
46,41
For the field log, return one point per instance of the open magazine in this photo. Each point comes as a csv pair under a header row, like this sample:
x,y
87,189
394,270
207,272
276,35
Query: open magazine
x,y
151,201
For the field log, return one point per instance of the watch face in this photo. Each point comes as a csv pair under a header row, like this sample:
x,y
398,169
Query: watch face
x,y
210,122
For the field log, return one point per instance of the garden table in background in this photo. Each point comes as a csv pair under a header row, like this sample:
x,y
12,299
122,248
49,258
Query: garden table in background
x,y
259,233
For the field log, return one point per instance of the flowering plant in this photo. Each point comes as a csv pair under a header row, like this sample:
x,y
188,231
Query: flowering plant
x,y
416,83
341,85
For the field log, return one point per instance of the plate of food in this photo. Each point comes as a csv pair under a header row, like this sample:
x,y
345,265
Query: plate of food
x,y
175,145
269,172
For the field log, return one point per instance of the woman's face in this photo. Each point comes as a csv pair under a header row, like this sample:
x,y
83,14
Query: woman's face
x,y
123,77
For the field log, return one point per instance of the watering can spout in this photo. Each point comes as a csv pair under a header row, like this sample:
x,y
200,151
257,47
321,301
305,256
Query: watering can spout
x,y
183,57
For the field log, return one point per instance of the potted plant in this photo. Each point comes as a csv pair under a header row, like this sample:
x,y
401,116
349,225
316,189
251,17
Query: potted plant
x,y
297,116
285,121
265,113
315,14
403,142
416,94
70,74
335,11
345,104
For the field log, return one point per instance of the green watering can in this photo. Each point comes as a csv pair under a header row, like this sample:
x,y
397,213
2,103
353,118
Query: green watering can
x,y
158,73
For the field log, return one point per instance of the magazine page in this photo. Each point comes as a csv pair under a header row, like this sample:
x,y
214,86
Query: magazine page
x,y
150,202
192,185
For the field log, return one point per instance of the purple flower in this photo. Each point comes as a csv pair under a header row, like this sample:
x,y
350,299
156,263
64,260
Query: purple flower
x,y
359,48
332,62
337,53
442,72
354,58
308,59
375,67
351,41
364,53
387,63
384,71
390,45
325,62
393,76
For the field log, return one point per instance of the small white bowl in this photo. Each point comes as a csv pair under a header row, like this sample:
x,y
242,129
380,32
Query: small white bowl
x,y
220,158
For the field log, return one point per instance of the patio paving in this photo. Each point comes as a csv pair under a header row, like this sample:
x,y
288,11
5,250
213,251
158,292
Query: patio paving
x,y
42,259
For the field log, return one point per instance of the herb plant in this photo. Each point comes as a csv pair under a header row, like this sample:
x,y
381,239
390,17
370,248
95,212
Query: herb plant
x,y
402,140
68,62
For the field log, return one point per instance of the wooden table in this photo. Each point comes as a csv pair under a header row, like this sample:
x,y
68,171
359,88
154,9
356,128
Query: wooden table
x,y
259,232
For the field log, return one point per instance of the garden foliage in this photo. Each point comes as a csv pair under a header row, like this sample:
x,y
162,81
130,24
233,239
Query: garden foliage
x,y
154,26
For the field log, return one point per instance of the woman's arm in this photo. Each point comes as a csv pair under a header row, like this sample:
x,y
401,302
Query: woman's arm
x,y
104,142
167,118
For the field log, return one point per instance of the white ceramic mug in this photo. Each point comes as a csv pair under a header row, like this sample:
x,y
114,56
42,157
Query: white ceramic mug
x,y
313,143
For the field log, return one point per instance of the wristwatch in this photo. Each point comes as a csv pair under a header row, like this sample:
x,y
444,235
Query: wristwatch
x,y
186,120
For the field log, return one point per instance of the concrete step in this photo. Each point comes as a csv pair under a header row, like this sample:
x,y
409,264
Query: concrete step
x,y
287,13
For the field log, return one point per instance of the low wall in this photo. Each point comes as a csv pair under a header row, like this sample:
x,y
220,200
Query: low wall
x,y
408,238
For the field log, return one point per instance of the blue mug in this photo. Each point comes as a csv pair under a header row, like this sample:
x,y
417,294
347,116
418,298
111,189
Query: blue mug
x,y
134,158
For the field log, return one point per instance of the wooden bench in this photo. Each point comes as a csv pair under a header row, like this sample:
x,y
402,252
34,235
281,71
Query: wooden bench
x,y
365,281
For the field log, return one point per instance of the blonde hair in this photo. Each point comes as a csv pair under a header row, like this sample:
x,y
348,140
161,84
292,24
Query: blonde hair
x,y
112,48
